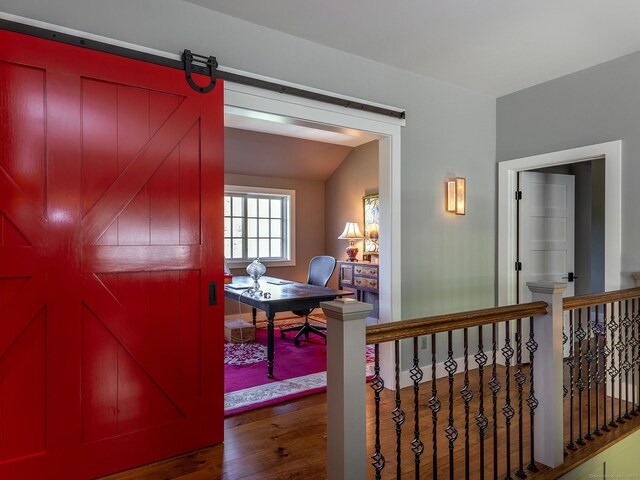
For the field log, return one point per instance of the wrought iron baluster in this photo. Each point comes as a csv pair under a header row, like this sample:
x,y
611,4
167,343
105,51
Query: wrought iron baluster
x,y
494,384
597,375
481,419
434,405
397,413
520,378
565,339
580,336
451,433
636,362
532,401
636,356
606,351
589,358
633,342
417,447
507,410
613,371
571,362
377,384
620,347
467,394
626,321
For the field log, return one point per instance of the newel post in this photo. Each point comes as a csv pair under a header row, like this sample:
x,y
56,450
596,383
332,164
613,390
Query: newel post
x,y
636,277
346,400
547,374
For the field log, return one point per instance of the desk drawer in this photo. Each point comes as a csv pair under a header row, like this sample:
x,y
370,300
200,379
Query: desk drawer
x,y
365,270
362,282
346,275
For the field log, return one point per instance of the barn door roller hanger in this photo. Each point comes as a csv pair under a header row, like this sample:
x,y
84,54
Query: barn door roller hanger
x,y
209,63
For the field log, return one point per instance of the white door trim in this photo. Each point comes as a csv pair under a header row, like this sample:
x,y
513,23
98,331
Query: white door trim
x,y
507,221
388,131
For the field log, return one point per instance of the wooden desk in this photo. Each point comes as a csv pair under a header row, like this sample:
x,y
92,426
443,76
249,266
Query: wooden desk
x,y
284,298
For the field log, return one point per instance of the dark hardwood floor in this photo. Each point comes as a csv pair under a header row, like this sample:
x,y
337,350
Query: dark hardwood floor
x,y
288,441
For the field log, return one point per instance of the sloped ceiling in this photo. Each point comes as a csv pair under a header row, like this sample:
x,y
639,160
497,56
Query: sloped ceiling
x,y
256,153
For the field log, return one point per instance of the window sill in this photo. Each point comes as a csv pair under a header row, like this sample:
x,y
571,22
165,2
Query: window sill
x,y
267,263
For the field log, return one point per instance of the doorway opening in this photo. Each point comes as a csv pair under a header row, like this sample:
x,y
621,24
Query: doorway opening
x,y
564,231
259,114
607,263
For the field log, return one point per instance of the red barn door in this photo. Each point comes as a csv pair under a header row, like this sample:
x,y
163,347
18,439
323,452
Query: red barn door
x,y
111,179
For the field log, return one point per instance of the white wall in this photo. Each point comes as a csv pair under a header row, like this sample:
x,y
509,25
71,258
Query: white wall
x,y
596,105
448,263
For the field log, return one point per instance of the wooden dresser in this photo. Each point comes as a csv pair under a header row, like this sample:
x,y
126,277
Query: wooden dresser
x,y
362,279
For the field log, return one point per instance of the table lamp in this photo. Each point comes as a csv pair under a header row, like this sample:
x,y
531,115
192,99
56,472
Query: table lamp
x,y
255,270
351,233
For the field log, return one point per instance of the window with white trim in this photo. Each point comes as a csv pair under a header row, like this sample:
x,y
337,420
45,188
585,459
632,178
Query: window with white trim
x,y
258,222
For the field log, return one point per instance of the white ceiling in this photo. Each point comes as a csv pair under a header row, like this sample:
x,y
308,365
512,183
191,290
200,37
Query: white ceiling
x,y
490,46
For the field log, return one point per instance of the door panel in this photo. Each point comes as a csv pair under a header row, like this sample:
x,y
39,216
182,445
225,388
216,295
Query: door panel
x,y
546,234
546,229
110,355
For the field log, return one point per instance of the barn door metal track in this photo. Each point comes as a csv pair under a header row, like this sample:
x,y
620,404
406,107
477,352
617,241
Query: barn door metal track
x,y
207,67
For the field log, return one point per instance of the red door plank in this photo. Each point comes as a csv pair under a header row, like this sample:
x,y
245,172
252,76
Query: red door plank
x,y
99,380
24,127
23,412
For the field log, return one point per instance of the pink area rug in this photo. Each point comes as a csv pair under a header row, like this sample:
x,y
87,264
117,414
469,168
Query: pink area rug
x,y
298,371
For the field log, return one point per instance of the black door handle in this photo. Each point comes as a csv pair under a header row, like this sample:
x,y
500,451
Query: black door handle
x,y
213,293
571,277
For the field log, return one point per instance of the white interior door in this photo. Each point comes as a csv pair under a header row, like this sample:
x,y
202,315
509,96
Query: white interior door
x,y
546,232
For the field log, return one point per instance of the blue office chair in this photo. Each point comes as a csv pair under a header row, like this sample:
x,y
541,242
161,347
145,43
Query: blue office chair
x,y
320,270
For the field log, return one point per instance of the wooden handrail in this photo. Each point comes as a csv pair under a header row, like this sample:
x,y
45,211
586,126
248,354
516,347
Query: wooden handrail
x,y
386,332
593,299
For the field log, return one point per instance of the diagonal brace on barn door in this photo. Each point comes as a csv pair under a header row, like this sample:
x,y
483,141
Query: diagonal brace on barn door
x,y
20,311
21,211
137,174
119,322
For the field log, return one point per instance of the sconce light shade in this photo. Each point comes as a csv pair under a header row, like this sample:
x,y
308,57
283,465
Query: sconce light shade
x,y
456,195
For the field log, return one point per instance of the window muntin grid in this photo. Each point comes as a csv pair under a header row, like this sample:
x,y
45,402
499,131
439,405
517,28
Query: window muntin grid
x,y
256,225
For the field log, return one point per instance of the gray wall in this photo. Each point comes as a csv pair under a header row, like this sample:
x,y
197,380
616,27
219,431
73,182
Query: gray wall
x,y
592,106
355,177
447,262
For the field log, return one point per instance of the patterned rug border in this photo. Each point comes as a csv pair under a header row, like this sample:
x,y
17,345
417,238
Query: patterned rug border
x,y
278,392
261,395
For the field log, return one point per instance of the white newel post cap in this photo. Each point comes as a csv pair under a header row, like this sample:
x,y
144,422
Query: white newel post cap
x,y
549,288
636,277
346,309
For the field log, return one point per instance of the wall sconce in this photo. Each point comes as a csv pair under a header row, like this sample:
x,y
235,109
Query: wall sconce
x,y
456,195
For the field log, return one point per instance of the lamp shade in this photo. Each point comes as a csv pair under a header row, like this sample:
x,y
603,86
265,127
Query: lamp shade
x,y
351,232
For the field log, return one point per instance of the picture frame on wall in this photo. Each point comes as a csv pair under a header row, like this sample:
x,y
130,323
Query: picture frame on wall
x,y
371,211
